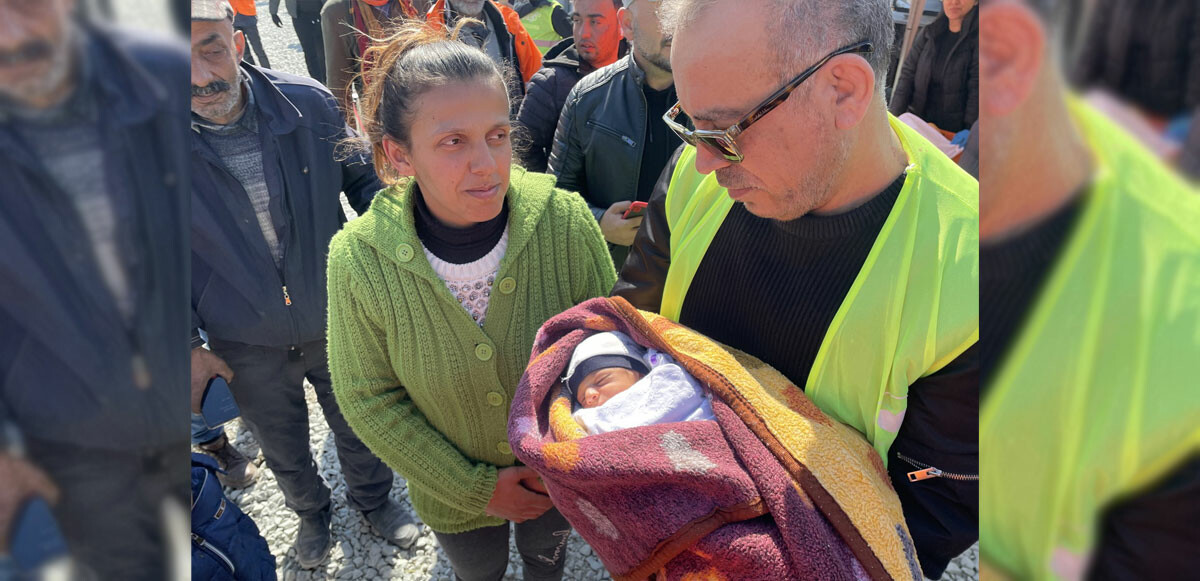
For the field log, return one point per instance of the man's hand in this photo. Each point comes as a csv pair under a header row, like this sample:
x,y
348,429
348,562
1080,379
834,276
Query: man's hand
x,y
512,498
205,366
618,230
19,481
275,18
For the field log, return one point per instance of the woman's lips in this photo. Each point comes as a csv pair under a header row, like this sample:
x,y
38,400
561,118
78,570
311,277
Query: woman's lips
x,y
484,193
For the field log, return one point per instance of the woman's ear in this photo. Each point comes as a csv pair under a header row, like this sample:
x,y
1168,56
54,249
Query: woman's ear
x,y
398,156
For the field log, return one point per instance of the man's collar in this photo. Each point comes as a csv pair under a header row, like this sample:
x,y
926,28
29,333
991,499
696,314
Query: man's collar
x,y
639,75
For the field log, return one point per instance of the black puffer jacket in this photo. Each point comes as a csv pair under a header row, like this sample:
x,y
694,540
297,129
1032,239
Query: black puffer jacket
x,y
1147,51
545,96
959,76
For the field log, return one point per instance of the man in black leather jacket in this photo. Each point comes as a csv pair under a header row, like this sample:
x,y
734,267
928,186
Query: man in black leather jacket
x,y
611,143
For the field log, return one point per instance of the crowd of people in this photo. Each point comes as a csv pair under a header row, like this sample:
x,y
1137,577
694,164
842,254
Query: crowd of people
x,y
458,116
741,168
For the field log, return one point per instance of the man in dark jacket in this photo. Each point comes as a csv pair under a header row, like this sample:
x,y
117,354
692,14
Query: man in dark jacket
x,y
265,184
611,143
93,214
1146,51
306,21
596,43
939,81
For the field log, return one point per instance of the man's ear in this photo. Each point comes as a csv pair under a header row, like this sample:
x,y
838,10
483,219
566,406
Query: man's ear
x,y
398,156
852,81
239,44
625,17
1012,52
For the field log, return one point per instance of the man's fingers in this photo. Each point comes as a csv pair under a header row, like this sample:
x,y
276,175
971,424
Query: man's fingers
x,y
225,371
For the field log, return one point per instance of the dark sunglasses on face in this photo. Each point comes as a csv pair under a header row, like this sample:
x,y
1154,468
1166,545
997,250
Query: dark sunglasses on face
x,y
724,143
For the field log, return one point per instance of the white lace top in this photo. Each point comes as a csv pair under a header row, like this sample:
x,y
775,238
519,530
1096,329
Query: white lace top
x,y
471,283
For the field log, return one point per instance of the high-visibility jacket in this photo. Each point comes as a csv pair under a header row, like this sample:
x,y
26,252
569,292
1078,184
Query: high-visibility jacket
x,y
540,26
1099,395
911,310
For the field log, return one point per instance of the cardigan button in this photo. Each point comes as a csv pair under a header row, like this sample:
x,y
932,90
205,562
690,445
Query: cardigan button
x,y
508,285
483,351
404,253
495,399
504,448
305,170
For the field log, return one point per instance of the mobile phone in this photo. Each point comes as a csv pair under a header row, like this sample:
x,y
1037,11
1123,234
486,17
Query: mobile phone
x,y
635,209
217,405
36,538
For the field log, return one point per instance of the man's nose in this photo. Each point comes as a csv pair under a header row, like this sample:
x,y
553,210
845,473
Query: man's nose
x,y
707,160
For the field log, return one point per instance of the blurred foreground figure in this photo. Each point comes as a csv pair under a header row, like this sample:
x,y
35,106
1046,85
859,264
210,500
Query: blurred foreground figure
x,y
1090,317
93,291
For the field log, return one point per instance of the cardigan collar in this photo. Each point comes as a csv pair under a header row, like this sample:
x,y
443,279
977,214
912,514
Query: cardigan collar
x,y
393,229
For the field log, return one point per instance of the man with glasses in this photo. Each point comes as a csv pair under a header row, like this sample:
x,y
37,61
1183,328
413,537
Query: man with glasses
x,y
805,226
611,144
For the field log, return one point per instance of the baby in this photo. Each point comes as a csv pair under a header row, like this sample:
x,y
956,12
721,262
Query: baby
x,y
619,384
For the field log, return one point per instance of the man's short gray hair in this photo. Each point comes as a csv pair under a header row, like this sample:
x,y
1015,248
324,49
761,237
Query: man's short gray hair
x,y
804,31
212,10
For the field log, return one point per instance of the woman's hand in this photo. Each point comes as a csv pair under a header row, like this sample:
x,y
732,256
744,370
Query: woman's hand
x,y
515,498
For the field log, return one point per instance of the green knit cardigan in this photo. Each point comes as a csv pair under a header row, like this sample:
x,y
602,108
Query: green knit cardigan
x,y
423,386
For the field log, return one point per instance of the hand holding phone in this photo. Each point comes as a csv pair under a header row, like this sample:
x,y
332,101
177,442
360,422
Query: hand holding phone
x,y
635,209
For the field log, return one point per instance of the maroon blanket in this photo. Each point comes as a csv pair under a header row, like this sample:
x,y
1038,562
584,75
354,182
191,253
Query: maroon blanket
x,y
771,490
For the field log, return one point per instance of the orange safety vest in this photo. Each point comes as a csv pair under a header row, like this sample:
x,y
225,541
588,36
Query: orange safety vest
x,y
244,7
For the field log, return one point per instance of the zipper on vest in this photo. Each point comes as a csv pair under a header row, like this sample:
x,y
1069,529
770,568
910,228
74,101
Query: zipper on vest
x,y
205,546
926,471
287,299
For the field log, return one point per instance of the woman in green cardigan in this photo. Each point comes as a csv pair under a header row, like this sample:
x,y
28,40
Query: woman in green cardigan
x,y
436,293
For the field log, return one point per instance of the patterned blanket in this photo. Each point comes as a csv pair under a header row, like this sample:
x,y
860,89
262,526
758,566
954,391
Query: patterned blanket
x,y
771,490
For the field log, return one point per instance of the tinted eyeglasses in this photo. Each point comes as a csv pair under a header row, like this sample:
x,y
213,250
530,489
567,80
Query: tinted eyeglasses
x,y
724,143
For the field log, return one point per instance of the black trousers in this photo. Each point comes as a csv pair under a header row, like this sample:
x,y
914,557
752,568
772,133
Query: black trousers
x,y
249,27
111,508
482,554
307,23
268,386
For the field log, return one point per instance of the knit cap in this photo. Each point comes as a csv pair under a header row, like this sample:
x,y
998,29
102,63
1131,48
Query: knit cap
x,y
604,350
211,10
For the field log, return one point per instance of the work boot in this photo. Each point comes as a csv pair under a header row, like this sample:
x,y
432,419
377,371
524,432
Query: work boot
x,y
393,524
313,541
236,469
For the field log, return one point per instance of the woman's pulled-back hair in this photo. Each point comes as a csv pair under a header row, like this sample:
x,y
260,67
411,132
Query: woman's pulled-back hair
x,y
415,58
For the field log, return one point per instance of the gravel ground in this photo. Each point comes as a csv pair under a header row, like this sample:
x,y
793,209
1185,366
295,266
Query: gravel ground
x,y
357,553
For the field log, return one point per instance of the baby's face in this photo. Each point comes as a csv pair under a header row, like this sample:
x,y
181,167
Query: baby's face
x,y
602,384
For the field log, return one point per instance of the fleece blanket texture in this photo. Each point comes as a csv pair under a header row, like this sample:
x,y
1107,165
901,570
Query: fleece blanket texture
x,y
773,489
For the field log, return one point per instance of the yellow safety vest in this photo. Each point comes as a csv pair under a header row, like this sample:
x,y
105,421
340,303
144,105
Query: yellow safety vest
x,y
1100,394
541,28
912,308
